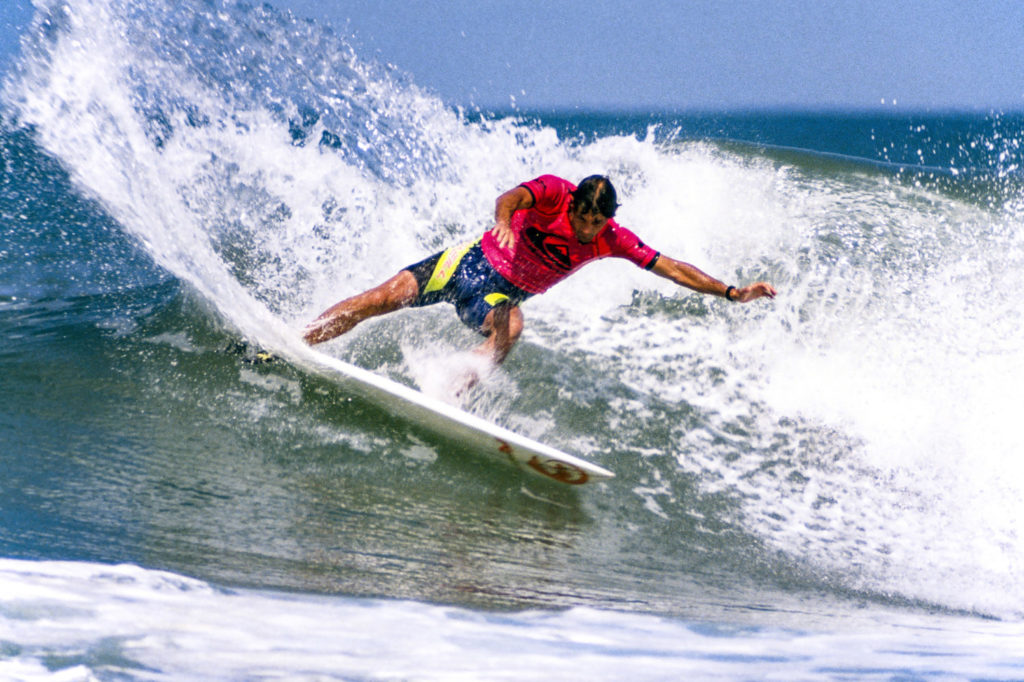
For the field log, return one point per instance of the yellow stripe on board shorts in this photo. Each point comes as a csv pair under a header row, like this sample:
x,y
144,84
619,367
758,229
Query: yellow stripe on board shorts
x,y
446,266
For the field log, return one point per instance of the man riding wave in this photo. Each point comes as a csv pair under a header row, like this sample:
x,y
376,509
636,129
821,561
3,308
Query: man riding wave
x,y
544,230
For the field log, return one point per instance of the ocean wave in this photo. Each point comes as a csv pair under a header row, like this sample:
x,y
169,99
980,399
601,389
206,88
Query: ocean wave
x,y
239,170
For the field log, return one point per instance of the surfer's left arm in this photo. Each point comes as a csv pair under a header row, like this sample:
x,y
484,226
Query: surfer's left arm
x,y
692,277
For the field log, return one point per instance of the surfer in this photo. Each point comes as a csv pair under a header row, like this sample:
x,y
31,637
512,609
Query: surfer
x,y
544,230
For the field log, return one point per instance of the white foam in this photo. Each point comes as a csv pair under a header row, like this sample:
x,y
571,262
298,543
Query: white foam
x,y
79,621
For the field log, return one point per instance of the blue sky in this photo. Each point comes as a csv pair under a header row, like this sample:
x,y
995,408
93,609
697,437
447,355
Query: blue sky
x,y
674,54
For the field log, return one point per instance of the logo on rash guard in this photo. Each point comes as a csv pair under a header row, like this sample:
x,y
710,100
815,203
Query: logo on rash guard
x,y
551,248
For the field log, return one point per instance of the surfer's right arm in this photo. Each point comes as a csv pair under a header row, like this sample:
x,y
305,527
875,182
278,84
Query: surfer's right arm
x,y
516,199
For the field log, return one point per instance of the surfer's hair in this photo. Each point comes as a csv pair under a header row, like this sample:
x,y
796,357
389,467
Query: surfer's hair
x,y
595,193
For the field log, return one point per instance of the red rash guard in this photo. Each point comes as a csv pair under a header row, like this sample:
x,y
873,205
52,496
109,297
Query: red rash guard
x,y
546,251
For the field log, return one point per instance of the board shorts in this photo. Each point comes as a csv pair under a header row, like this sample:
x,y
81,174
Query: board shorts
x,y
462,276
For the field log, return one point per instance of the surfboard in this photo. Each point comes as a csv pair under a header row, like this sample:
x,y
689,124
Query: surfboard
x,y
479,435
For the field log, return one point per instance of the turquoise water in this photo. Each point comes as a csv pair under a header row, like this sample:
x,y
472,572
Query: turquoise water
x,y
825,486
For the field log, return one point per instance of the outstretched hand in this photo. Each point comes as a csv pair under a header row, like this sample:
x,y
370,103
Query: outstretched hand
x,y
754,291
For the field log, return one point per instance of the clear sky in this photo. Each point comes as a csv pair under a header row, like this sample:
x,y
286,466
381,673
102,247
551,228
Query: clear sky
x,y
679,54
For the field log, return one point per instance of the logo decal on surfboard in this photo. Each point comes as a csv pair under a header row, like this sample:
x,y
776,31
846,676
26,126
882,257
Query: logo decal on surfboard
x,y
560,471
563,472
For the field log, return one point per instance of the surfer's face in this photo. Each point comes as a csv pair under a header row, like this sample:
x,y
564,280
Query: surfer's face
x,y
586,225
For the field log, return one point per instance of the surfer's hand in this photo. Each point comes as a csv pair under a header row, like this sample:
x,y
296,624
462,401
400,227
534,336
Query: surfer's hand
x,y
754,291
503,234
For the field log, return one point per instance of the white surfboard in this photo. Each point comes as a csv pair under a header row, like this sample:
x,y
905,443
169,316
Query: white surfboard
x,y
448,421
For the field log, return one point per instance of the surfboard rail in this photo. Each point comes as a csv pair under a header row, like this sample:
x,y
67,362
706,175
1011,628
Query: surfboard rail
x,y
451,422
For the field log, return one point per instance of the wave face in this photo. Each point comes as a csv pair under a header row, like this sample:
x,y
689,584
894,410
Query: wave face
x,y
179,175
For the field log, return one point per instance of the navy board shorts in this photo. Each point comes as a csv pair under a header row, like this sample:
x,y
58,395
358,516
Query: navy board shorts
x,y
462,276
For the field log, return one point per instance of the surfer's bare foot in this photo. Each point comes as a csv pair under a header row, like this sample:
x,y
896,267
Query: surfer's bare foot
x,y
465,382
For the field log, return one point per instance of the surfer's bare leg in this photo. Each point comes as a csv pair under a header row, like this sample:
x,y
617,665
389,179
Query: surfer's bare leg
x,y
392,295
503,325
